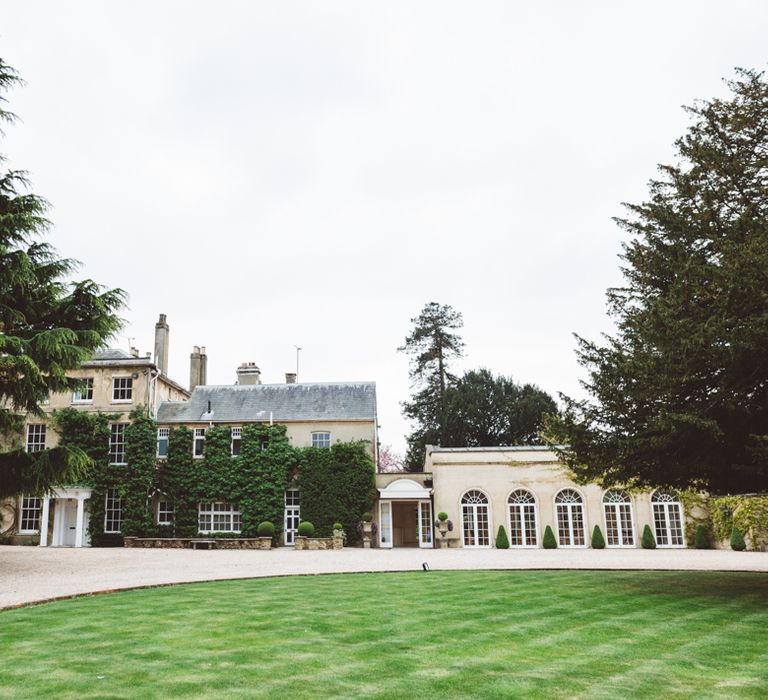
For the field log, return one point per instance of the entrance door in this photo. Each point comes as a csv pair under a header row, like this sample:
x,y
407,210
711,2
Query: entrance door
x,y
385,524
292,516
425,525
70,522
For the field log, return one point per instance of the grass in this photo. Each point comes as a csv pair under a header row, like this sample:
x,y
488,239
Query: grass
x,y
439,634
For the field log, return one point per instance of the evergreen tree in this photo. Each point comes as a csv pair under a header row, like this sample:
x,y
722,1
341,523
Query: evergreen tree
x,y
679,395
598,541
483,409
737,540
432,345
502,541
48,325
549,541
648,541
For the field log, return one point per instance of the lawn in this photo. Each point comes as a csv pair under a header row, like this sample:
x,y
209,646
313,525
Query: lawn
x,y
429,634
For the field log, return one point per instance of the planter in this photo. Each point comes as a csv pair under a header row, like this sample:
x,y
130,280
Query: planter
x,y
265,543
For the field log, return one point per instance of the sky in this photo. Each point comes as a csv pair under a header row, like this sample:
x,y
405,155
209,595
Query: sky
x,y
281,174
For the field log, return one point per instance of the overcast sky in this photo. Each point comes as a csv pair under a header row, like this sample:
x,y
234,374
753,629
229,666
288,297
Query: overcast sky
x,y
272,174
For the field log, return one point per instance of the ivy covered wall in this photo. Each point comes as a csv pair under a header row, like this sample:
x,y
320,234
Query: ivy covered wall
x,y
335,484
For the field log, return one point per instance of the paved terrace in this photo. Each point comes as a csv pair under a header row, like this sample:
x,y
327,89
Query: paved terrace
x,y
32,574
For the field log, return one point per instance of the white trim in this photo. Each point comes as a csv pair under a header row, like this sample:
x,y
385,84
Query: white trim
x,y
385,544
405,490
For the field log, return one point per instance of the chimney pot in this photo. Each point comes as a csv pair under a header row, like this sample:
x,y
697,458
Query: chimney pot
x,y
290,377
248,374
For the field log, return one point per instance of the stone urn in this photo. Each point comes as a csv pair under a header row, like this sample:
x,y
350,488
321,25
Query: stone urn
x,y
367,529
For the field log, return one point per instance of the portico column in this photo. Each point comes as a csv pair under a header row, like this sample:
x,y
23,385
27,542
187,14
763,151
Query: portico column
x,y
79,523
44,522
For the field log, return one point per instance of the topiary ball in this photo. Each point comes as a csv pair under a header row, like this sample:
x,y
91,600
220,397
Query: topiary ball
x,y
337,526
266,529
598,542
442,516
306,529
549,541
367,517
648,541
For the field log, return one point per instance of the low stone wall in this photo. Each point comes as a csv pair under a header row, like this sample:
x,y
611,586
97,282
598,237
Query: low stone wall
x,y
319,543
183,542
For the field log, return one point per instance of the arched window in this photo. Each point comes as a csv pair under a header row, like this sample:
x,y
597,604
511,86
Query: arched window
x,y
522,519
667,519
570,518
617,507
474,512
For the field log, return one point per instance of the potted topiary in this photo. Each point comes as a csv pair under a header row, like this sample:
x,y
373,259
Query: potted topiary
x,y
442,523
338,536
367,527
305,530
265,531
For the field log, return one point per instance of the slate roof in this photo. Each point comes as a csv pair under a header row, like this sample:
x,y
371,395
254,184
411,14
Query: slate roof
x,y
112,354
286,402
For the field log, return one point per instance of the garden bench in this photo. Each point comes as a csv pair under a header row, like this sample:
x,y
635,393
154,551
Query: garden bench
x,y
202,544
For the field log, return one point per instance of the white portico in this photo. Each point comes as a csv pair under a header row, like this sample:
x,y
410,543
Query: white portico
x,y
405,515
70,518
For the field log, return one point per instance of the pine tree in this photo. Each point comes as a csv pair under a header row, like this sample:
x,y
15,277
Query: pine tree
x,y
502,541
598,542
48,325
679,395
648,541
549,541
431,345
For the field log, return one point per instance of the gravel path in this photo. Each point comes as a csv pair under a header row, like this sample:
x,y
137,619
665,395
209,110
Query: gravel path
x,y
33,574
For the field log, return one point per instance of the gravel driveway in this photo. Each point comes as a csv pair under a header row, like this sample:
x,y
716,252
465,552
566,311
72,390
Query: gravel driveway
x,y
33,574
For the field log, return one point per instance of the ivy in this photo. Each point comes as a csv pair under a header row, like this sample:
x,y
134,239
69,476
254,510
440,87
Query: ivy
x,y
140,474
176,480
336,484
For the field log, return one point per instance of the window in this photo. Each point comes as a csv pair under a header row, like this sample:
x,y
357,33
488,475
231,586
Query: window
x,y
162,442
117,443
29,521
164,512
122,389
264,443
234,447
84,393
219,517
113,511
522,519
667,519
36,437
198,444
474,512
292,516
570,518
321,439
617,507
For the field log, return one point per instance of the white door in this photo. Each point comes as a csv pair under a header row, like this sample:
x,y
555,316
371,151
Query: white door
x,y
292,516
70,522
385,524
425,525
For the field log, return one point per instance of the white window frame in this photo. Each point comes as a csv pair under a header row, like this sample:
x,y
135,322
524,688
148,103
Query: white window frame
x,y
218,508
321,438
165,511
569,509
122,384
664,506
30,509
36,434
291,516
113,512
86,389
237,436
520,507
163,435
117,439
198,436
473,508
616,507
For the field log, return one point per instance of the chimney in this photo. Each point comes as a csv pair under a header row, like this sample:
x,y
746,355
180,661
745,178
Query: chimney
x,y
198,367
134,351
248,374
161,344
290,377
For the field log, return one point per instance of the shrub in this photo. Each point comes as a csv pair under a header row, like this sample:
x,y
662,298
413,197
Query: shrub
x,y
442,516
648,541
266,529
337,526
501,538
702,538
549,541
367,517
306,529
598,542
737,540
